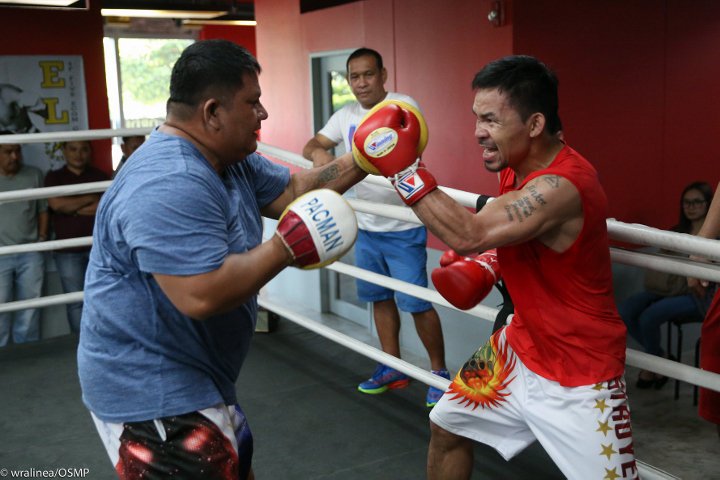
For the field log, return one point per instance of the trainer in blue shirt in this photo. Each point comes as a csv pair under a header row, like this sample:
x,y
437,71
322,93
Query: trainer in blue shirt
x,y
177,259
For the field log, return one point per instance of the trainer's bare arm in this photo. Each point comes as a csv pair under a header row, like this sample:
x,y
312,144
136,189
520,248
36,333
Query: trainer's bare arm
x,y
339,175
317,150
548,208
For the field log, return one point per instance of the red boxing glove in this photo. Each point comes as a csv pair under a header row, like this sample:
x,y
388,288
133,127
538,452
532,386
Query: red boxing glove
x,y
317,228
414,183
465,281
389,138
448,257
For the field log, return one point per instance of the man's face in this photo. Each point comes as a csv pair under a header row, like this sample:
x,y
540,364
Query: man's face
x,y
500,130
131,144
10,159
367,81
241,118
77,155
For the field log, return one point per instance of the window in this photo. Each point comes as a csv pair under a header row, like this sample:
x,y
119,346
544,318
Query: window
x,y
138,79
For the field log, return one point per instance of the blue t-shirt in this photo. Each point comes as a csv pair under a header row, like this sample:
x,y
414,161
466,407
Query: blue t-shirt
x,y
168,212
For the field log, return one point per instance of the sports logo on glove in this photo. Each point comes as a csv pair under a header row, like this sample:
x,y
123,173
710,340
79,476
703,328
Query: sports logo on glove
x,y
326,232
380,142
409,185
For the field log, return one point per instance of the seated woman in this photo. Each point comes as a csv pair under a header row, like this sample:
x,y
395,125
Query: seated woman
x,y
644,313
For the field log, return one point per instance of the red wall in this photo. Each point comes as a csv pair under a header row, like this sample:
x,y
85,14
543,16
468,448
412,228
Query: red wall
x,y
637,82
64,32
244,36
638,93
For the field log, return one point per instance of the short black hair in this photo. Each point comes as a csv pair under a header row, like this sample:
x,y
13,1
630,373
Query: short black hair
x,y
362,52
210,64
529,84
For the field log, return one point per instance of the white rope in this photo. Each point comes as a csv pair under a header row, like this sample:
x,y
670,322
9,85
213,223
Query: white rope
x,y
48,301
480,311
356,345
73,136
46,246
49,192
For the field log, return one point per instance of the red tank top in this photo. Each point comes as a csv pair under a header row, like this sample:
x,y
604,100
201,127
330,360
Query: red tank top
x,y
566,326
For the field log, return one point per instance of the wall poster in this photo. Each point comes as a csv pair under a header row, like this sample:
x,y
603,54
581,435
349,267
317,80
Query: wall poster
x,y
42,93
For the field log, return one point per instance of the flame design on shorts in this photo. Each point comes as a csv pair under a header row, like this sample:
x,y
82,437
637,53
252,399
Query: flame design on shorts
x,y
483,378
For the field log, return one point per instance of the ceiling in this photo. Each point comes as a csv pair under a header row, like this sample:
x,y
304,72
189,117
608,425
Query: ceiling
x,y
177,9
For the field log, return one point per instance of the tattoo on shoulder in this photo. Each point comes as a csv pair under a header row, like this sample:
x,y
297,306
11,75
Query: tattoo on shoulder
x,y
552,180
328,174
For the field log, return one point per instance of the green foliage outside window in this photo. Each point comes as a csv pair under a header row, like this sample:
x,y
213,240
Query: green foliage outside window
x,y
341,93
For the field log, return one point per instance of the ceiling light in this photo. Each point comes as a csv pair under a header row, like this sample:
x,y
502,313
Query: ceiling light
x,y
40,3
235,23
194,14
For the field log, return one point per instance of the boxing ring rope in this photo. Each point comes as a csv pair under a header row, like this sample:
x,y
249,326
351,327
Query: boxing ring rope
x,y
632,233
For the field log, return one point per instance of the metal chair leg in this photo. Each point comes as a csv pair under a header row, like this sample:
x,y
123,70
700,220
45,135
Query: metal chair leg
x,y
697,365
679,358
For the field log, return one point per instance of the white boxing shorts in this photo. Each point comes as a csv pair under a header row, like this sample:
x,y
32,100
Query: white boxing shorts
x,y
494,399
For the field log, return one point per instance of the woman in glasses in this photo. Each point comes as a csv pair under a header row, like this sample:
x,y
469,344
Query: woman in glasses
x,y
667,296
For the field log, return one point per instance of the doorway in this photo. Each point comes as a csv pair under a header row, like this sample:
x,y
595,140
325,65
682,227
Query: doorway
x,y
330,92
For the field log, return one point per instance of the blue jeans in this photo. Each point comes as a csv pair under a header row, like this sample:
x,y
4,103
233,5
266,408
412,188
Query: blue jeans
x,y
21,274
71,267
644,313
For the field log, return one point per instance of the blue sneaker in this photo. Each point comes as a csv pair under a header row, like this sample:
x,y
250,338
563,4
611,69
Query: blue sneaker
x,y
382,379
434,394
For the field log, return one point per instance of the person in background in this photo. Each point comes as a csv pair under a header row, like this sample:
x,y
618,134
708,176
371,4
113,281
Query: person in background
x,y
73,216
25,221
666,295
386,246
128,146
709,404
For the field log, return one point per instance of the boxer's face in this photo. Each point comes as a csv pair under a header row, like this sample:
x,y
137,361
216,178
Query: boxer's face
x,y
77,155
367,81
240,119
499,129
10,159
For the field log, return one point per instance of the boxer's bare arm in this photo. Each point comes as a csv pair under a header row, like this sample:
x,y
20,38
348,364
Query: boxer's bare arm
x,y
234,283
339,175
547,208
317,150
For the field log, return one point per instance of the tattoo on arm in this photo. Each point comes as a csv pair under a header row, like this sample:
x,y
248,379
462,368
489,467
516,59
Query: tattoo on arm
x,y
328,174
552,180
524,207
537,196
520,209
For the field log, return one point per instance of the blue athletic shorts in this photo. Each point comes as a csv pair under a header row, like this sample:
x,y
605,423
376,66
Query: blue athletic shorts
x,y
400,255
